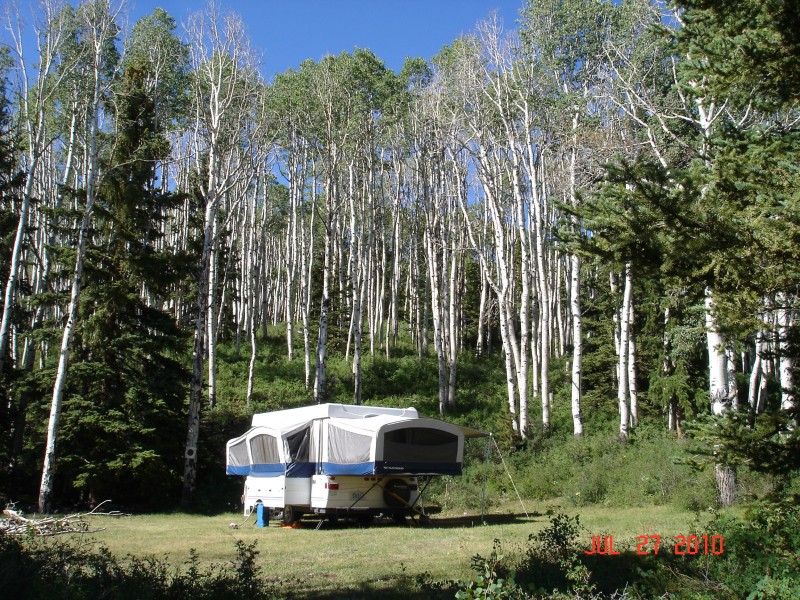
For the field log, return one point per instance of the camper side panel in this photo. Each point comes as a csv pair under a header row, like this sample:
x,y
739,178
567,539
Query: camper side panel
x,y
269,491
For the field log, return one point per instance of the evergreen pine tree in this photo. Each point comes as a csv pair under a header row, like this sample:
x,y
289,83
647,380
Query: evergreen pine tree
x,y
125,413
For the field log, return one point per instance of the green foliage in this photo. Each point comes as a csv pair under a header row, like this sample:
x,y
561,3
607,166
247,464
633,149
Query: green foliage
x,y
11,180
216,491
153,42
757,559
597,469
552,561
747,50
487,582
65,568
760,559
768,443
123,416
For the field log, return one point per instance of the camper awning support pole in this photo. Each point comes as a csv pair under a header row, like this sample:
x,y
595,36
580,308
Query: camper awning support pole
x,y
421,492
485,475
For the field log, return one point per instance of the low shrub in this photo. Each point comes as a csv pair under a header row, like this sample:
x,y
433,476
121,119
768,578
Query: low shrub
x,y
73,569
758,561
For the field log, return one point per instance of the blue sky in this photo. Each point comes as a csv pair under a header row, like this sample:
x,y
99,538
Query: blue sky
x,y
286,32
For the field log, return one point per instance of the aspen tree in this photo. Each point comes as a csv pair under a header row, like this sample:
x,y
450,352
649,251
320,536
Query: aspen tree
x,y
98,21
54,65
225,81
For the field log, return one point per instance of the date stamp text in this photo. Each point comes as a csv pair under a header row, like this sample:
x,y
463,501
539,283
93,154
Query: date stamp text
x,y
679,545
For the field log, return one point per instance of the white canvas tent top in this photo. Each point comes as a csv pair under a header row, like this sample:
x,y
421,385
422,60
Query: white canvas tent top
x,y
270,451
304,414
336,439
385,444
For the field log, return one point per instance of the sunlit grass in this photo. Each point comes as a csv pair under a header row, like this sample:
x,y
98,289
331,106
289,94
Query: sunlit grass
x,y
350,557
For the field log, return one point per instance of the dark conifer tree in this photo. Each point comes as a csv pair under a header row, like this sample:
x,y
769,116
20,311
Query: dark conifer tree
x,y
125,414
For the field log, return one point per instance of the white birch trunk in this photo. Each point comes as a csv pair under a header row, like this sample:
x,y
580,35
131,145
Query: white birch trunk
x,y
720,396
633,391
211,336
322,341
786,324
577,341
622,364
98,33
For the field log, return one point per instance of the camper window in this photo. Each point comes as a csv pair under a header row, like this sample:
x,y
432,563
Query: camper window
x,y
296,446
348,448
237,455
264,449
420,444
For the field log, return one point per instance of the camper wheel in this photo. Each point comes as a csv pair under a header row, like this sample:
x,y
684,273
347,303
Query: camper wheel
x,y
397,494
365,519
291,515
399,518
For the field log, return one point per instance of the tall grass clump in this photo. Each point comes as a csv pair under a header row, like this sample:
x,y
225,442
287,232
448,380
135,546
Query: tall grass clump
x,y
649,469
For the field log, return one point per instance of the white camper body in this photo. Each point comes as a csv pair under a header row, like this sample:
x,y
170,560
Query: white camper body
x,y
335,459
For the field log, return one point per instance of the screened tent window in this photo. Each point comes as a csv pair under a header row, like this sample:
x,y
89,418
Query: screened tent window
x,y
296,446
237,454
348,448
420,444
264,449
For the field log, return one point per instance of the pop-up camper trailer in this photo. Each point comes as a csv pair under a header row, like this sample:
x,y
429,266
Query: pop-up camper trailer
x,y
338,460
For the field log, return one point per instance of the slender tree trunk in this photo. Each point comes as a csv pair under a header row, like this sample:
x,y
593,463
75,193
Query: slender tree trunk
x,y
49,467
786,356
577,341
212,317
322,342
756,374
198,353
633,391
622,365
307,258
250,278
720,396
97,34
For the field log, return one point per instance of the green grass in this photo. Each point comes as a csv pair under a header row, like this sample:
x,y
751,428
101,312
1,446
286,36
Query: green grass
x,y
385,557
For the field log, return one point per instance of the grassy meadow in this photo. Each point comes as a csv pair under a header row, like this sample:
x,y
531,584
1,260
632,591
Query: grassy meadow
x,y
380,557
545,497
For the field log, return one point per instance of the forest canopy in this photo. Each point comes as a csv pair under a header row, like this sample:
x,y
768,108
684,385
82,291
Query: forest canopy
x,y
597,204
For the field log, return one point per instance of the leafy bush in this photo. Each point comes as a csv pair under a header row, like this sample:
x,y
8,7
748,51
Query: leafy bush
x,y
759,561
488,583
761,558
73,569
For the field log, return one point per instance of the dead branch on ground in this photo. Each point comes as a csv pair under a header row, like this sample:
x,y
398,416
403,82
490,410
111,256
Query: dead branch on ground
x,y
14,523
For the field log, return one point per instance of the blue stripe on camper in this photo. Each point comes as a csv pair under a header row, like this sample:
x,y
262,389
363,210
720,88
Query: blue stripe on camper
x,y
268,469
387,467
297,469
365,468
300,469
240,470
391,467
265,470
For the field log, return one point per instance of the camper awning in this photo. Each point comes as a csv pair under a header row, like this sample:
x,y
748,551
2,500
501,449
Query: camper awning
x,y
470,433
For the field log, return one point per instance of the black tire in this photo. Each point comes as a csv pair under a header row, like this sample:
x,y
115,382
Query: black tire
x,y
365,519
291,515
397,494
399,518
